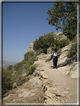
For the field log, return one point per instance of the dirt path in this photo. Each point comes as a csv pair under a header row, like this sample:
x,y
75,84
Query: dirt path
x,y
63,83
54,86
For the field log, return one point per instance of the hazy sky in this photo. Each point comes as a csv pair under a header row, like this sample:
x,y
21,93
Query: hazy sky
x,y
23,23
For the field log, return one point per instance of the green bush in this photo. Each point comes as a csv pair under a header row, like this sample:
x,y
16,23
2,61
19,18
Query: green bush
x,y
48,40
7,81
64,42
44,42
24,80
27,73
31,69
75,39
28,55
9,67
72,51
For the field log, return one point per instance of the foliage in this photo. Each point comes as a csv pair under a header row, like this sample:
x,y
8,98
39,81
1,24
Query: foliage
x,y
44,42
56,44
72,51
9,67
64,16
7,81
48,40
75,39
64,42
31,69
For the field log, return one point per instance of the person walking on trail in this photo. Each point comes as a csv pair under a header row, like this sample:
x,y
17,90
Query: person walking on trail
x,y
55,57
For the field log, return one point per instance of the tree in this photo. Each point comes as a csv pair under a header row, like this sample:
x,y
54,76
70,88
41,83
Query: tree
x,y
64,16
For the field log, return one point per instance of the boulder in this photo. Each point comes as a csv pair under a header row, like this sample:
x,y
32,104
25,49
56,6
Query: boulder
x,y
14,85
64,52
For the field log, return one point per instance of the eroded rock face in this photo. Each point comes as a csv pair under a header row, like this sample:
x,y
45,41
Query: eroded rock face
x,y
60,36
64,52
30,48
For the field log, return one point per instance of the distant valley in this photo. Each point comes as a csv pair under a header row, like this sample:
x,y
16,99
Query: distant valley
x,y
6,63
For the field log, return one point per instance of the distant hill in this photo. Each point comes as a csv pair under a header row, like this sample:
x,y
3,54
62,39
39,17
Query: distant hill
x,y
6,63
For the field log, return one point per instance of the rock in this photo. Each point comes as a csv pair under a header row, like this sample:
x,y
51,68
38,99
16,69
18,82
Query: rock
x,y
41,56
30,47
5,94
49,94
68,61
51,101
60,36
59,94
26,94
54,91
15,85
24,74
35,73
64,52
44,76
6,97
49,50
35,82
73,72
62,100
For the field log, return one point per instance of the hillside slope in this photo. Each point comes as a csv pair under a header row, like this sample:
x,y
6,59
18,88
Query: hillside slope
x,y
47,85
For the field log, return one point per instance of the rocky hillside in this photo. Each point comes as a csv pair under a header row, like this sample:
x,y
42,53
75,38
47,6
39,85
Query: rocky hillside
x,y
58,35
47,84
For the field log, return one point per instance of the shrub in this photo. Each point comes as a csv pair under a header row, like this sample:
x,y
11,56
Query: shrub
x,y
24,80
72,51
64,42
27,73
44,42
28,55
31,69
75,39
7,81
9,67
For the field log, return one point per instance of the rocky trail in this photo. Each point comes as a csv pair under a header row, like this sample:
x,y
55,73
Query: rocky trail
x,y
59,86
46,85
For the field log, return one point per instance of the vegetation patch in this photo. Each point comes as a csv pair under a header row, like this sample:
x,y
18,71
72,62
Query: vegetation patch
x,y
7,81
64,42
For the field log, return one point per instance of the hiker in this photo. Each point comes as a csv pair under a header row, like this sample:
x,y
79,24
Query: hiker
x,y
55,57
